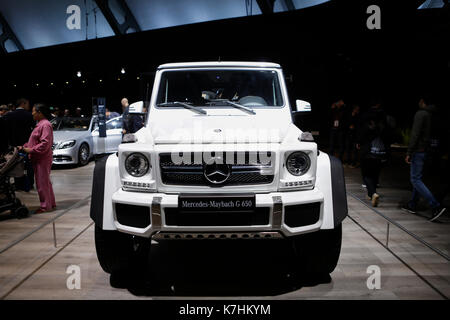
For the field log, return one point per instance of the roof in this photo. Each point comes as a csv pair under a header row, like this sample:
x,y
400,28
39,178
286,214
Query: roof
x,y
216,64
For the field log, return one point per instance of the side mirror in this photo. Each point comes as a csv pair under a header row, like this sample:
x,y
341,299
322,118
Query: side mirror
x,y
136,107
302,106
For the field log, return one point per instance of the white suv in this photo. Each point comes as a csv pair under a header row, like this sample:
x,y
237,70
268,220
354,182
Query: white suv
x,y
219,158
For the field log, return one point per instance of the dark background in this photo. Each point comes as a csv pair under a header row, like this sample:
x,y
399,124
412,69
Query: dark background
x,y
327,52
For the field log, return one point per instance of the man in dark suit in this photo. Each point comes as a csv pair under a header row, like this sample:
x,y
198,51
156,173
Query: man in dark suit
x,y
20,124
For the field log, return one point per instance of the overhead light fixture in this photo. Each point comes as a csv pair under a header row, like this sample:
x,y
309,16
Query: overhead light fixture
x,y
137,78
51,83
122,71
79,74
100,80
67,82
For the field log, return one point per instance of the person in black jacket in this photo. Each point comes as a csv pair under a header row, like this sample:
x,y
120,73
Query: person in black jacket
x,y
373,141
419,146
19,125
337,128
352,126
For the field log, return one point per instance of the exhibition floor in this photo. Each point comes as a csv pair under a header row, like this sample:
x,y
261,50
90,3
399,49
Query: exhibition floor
x,y
36,254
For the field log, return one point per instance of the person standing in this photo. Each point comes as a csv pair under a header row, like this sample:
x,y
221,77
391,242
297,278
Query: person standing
x,y
417,151
3,110
111,114
373,140
39,149
3,132
19,124
337,128
352,124
125,115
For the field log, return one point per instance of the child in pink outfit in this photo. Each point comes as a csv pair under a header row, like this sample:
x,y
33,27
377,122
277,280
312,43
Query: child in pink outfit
x,y
39,148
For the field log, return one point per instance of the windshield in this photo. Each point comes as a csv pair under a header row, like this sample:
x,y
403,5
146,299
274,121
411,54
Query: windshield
x,y
252,88
71,124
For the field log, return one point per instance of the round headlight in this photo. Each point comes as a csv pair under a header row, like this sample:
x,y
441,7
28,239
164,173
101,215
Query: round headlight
x,y
137,164
298,163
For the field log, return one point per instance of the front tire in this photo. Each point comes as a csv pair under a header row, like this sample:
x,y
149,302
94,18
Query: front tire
x,y
114,249
123,256
318,252
83,154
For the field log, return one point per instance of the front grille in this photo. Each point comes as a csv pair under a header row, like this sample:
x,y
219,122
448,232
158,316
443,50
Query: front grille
x,y
249,172
258,217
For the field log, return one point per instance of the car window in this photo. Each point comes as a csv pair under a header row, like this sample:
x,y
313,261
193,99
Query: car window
x,y
115,124
246,87
71,123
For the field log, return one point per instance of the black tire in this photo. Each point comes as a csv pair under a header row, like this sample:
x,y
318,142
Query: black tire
x,y
21,212
114,249
83,154
318,252
119,252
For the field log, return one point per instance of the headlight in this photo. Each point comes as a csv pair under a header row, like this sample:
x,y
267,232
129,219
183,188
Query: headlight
x,y
66,144
298,163
137,164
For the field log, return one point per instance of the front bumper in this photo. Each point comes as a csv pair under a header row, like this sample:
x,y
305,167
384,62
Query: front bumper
x,y
65,156
275,201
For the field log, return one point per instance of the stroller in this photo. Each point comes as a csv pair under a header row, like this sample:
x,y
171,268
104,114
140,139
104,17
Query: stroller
x,y
11,166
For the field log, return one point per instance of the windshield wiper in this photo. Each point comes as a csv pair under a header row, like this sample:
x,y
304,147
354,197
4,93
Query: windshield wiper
x,y
233,104
184,105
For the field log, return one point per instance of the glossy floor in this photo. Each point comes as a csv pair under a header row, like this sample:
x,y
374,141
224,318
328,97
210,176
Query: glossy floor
x,y
32,267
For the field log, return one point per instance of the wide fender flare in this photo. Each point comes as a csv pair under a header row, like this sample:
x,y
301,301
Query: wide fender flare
x,y
105,182
331,181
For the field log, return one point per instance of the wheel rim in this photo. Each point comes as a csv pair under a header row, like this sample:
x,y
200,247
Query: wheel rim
x,y
84,154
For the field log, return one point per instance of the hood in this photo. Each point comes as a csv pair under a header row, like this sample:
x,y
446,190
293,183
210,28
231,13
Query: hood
x,y
59,136
218,128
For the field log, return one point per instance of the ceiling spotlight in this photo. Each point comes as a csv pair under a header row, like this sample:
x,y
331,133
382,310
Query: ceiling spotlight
x,y
100,80
137,78
51,83
122,71
83,81
79,74
67,82
37,84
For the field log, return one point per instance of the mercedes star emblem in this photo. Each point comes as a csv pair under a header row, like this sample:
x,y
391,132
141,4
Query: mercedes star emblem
x,y
215,171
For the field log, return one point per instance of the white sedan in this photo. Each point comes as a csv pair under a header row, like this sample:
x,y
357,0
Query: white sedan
x,y
76,140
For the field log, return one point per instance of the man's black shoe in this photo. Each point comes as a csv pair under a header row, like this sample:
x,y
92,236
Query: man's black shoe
x,y
437,212
409,209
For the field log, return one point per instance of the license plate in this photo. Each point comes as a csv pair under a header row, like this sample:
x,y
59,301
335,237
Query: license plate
x,y
216,203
